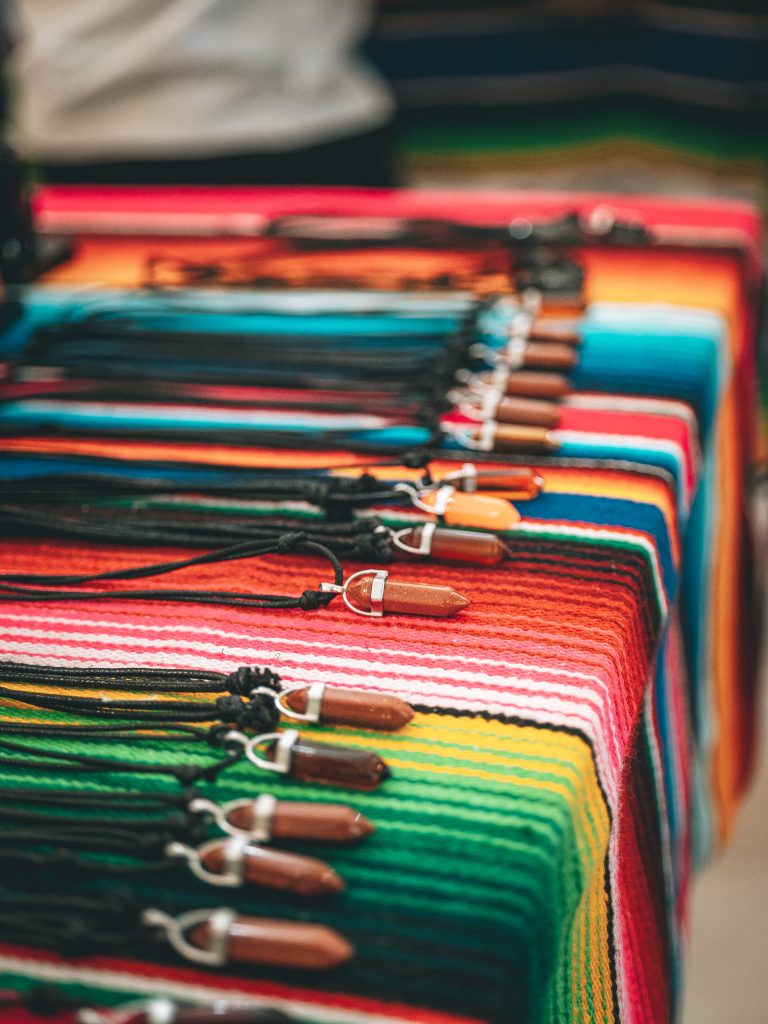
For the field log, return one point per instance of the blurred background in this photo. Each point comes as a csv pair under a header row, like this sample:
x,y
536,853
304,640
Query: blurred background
x,y
667,96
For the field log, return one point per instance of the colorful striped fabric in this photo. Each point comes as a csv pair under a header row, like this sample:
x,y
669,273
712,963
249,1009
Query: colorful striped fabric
x,y
583,730
635,95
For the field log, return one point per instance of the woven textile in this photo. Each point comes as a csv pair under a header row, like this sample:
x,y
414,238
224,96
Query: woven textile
x,y
582,731
637,95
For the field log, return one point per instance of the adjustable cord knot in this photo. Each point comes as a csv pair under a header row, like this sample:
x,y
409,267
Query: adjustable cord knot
x,y
260,714
417,458
310,600
244,680
372,547
229,708
287,542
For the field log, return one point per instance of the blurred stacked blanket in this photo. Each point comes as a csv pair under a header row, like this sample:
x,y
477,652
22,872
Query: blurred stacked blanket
x,y
376,602
640,95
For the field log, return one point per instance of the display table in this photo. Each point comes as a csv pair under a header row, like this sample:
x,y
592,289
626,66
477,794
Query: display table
x,y
582,730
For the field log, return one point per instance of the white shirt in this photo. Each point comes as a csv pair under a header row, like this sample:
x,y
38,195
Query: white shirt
x,y
125,79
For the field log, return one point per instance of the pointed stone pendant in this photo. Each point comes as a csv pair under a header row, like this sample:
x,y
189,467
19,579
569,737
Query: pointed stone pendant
x,y
222,936
508,437
405,598
530,411
267,818
163,1011
290,754
249,864
332,705
536,384
479,511
337,766
468,546
550,355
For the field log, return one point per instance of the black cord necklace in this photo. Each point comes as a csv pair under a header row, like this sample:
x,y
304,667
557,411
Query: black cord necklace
x,y
82,924
36,585
367,592
255,698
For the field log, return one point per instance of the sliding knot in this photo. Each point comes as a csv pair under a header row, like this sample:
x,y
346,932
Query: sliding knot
x,y
248,678
287,542
229,708
259,715
372,547
417,458
311,600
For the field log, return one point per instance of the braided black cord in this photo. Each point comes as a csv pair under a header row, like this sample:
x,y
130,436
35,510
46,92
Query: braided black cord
x,y
360,539
260,713
139,802
241,682
72,924
59,761
287,544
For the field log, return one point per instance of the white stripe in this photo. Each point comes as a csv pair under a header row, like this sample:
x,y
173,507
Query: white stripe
x,y
280,641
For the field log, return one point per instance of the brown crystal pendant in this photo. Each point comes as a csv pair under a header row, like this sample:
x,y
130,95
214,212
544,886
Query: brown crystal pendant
x,y
371,592
555,329
267,818
333,705
468,546
275,943
337,766
531,411
241,862
550,355
508,437
537,384
221,936
290,754
163,1011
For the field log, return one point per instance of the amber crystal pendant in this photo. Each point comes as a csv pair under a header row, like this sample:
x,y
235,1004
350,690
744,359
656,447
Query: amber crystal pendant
x,y
465,508
521,483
